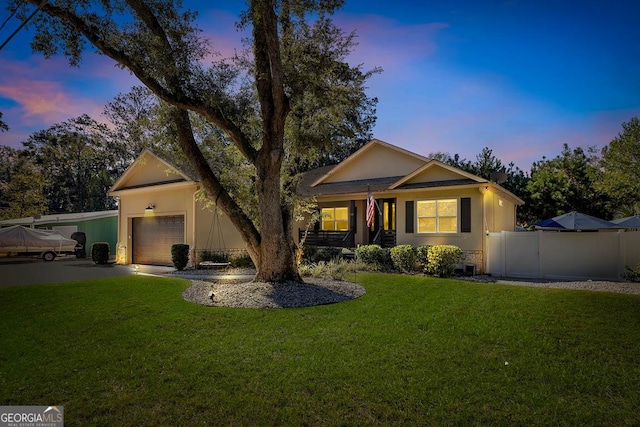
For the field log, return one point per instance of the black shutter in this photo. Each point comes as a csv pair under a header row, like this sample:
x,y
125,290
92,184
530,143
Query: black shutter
x,y
353,213
408,216
465,215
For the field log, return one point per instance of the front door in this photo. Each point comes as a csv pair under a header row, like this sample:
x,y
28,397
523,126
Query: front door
x,y
383,228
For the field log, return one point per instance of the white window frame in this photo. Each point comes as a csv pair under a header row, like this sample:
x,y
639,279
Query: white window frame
x,y
335,221
437,217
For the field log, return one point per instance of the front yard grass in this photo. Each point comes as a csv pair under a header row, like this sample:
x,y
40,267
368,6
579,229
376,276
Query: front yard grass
x,y
413,350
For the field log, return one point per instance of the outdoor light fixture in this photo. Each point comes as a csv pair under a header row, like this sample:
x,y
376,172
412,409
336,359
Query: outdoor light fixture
x,y
150,207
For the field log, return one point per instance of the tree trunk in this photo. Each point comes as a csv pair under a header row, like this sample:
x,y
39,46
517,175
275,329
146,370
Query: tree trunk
x,y
272,249
277,261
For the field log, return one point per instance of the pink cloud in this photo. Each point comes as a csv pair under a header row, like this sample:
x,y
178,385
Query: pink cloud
x,y
47,102
389,44
219,28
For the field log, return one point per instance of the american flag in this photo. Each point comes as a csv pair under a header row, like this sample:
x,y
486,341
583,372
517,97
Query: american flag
x,y
371,209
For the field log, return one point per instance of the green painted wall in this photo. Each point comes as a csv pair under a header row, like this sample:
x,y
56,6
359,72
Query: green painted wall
x,y
97,230
101,230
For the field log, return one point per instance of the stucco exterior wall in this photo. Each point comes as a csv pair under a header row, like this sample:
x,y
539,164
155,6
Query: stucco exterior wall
x,y
199,229
501,213
215,232
466,241
379,162
133,204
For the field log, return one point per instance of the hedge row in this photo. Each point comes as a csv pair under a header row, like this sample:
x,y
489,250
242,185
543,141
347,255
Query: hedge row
x,y
437,260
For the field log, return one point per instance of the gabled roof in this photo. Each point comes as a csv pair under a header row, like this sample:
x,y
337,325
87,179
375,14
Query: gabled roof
x,y
413,178
172,174
418,173
412,160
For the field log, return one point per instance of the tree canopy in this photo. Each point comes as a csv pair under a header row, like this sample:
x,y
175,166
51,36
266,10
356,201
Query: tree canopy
x,y
619,175
286,101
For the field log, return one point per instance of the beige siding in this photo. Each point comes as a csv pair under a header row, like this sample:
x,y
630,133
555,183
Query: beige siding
x,y
150,170
435,173
466,241
377,162
215,232
173,201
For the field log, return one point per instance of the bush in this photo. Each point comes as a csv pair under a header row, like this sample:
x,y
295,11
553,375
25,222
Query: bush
x,y
370,254
315,254
242,261
335,269
403,257
214,256
100,252
180,255
442,259
631,275
422,255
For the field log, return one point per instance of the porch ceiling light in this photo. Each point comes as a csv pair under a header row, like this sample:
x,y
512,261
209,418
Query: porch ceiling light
x,y
150,207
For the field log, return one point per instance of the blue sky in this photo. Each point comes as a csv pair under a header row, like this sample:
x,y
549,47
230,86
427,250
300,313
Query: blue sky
x,y
519,77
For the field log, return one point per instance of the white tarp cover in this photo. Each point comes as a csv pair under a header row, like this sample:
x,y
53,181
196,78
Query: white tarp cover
x,y
23,237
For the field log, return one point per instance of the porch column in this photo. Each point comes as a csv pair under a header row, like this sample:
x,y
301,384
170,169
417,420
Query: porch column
x,y
353,222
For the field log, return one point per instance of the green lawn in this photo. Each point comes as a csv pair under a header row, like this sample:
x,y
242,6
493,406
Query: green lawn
x,y
413,350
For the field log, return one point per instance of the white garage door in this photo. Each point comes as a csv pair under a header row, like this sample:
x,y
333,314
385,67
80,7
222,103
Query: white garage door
x,y
153,238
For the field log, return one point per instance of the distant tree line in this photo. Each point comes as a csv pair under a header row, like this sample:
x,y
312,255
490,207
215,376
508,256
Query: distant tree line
x,y
70,166
604,184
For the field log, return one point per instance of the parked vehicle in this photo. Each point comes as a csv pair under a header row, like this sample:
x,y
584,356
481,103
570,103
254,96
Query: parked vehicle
x,y
20,240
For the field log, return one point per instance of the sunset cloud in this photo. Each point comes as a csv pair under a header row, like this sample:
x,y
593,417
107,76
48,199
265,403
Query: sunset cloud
x,y
458,76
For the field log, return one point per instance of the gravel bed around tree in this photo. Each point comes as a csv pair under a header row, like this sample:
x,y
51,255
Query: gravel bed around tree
x,y
229,293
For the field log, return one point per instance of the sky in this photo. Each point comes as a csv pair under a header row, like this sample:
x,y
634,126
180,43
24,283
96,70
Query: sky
x,y
519,77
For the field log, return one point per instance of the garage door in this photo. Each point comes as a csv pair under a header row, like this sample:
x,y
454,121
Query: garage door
x,y
153,237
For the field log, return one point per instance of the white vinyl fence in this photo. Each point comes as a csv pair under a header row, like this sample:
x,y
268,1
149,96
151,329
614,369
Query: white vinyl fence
x,y
562,255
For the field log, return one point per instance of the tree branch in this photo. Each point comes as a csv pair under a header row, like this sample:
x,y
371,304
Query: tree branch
x,y
180,100
212,185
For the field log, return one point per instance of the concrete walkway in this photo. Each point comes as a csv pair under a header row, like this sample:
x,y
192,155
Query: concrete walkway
x,y
30,271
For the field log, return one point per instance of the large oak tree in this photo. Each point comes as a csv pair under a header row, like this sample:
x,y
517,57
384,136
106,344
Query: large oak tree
x,y
294,69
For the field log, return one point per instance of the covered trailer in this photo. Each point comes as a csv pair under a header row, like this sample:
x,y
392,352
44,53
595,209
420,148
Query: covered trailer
x,y
20,240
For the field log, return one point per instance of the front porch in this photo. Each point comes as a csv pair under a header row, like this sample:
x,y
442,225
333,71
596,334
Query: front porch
x,y
341,226
344,239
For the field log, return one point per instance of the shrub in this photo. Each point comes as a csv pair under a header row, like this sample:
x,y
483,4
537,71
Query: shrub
x,y
442,259
422,255
631,275
335,269
315,254
180,255
213,256
100,252
242,261
370,254
403,257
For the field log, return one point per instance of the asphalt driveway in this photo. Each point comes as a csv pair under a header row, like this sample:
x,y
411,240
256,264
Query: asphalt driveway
x,y
30,271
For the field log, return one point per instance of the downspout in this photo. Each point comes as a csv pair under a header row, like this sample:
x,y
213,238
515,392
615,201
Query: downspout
x,y
119,258
193,251
485,231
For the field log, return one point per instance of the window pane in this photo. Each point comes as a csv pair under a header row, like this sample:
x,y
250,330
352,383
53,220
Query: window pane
x,y
327,214
328,225
447,208
342,225
342,214
426,208
447,224
426,225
